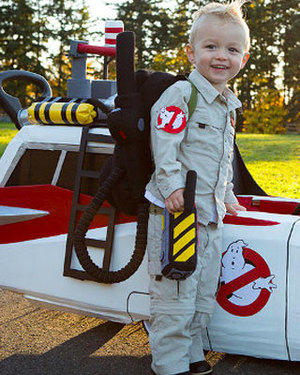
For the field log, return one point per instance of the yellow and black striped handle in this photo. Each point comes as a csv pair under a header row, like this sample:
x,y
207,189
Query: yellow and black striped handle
x,y
180,236
184,236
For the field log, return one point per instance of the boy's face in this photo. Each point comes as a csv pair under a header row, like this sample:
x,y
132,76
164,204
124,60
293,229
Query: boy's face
x,y
218,52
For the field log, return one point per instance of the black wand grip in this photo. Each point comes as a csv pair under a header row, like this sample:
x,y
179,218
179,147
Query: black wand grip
x,y
125,63
189,191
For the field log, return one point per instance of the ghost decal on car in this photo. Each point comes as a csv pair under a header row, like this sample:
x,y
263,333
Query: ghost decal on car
x,y
246,281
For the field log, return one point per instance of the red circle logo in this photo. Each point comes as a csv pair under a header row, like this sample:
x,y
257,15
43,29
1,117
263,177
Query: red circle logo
x,y
246,281
171,119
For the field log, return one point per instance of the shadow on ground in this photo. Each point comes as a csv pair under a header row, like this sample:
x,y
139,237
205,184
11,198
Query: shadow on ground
x,y
75,357
226,364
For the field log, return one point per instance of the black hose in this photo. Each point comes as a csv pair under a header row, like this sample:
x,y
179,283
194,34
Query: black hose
x,y
125,156
97,273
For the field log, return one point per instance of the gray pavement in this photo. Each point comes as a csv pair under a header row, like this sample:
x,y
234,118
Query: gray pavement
x,y
36,341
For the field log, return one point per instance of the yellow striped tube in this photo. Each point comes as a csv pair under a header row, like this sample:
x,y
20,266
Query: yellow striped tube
x,y
61,113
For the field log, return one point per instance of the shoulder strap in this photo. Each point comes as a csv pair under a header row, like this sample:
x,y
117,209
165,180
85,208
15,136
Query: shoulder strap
x,y
192,103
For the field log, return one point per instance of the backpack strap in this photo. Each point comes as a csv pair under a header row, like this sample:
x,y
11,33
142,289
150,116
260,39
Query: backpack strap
x,y
192,103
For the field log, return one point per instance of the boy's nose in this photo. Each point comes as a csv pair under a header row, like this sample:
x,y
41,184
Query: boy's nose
x,y
221,54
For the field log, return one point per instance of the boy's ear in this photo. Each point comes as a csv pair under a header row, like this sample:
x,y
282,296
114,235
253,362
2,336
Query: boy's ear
x,y
190,54
245,59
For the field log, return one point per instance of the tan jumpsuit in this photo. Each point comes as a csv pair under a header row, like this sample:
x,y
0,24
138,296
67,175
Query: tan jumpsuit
x,y
179,310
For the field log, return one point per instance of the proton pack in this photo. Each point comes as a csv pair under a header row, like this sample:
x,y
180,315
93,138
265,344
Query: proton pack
x,y
127,172
129,124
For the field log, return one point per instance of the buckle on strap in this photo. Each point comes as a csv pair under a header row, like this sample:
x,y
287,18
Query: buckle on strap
x,y
155,210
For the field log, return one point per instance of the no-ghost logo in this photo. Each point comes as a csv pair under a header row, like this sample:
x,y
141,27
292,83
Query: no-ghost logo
x,y
171,119
246,281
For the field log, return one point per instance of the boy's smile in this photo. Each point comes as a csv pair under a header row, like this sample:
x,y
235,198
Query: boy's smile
x,y
219,50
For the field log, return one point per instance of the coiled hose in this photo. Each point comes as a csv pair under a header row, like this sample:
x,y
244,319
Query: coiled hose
x,y
97,273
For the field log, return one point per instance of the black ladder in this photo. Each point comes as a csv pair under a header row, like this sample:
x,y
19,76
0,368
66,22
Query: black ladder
x,y
76,208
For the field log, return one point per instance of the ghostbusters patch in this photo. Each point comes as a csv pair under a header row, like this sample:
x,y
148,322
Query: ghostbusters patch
x,y
171,119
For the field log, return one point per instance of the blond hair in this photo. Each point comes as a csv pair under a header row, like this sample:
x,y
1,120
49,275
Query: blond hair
x,y
230,12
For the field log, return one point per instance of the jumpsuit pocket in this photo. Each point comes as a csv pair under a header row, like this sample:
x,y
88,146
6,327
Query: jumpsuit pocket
x,y
197,126
205,137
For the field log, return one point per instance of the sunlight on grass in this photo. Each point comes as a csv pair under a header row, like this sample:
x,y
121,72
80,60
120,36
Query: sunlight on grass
x,y
277,178
269,147
273,161
7,132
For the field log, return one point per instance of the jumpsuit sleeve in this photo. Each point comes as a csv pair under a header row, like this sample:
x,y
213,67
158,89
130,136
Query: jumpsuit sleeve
x,y
229,194
166,140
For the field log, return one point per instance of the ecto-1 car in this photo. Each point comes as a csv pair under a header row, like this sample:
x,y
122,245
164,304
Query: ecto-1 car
x,y
49,174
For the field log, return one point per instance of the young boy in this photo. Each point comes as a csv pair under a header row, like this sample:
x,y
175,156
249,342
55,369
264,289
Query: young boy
x,y
180,310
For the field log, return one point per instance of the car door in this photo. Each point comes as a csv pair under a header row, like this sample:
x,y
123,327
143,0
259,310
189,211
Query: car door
x,y
255,314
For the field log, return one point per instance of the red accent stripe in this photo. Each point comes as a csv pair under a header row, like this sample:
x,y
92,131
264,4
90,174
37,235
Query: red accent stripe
x,y
110,41
114,29
247,221
57,201
270,206
247,203
278,207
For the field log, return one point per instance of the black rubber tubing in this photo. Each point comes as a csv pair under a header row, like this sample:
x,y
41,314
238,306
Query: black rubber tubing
x,y
126,85
97,273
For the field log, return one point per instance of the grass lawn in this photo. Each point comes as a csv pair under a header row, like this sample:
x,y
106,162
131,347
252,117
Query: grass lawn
x,y
7,132
273,160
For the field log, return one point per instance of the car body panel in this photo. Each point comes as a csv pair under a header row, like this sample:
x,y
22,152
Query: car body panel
x,y
257,316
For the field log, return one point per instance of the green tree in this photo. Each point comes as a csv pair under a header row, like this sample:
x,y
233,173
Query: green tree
x,y
152,26
268,114
173,58
293,107
23,34
68,20
275,30
260,70
161,32
286,17
287,20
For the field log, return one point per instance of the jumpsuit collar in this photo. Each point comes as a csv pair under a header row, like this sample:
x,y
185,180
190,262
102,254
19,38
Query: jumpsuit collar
x,y
210,93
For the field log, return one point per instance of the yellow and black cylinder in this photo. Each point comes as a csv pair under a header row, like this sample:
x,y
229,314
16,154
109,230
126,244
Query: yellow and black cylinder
x,y
62,113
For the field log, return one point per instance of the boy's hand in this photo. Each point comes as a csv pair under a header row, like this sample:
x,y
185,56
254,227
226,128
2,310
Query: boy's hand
x,y
233,208
175,202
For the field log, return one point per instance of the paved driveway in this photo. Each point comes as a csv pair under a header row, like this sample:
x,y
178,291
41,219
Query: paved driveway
x,y
36,341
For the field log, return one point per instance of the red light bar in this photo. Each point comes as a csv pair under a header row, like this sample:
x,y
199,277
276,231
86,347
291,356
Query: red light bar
x,y
114,30
96,50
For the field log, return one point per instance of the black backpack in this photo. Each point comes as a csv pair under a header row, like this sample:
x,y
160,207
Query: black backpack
x,y
129,125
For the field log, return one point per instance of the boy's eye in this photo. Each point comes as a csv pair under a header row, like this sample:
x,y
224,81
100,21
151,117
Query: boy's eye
x,y
211,46
232,49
